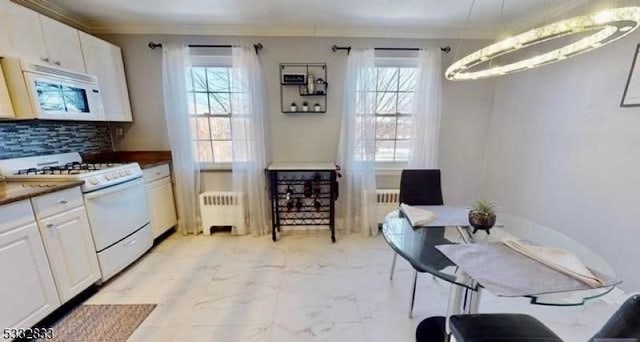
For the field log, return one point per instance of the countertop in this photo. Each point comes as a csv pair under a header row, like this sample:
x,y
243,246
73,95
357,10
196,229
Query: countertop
x,y
17,191
145,159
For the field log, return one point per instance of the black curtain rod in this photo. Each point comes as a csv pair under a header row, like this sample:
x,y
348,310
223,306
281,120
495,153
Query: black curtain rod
x,y
334,48
257,46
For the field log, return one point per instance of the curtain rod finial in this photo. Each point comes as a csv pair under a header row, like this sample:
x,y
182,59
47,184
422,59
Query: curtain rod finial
x,y
257,47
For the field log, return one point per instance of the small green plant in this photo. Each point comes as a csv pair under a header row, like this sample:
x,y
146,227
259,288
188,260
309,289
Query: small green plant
x,y
484,206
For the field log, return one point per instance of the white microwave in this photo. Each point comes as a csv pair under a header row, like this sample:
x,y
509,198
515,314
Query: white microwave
x,y
39,91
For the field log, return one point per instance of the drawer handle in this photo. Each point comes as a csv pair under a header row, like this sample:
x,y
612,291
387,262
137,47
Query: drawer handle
x,y
63,201
130,243
49,225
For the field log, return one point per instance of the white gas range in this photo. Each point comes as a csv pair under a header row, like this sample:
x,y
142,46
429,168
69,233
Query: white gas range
x,y
114,196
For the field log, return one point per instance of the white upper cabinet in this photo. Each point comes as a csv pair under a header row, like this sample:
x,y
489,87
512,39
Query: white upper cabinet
x,y
21,34
104,60
6,108
63,44
26,34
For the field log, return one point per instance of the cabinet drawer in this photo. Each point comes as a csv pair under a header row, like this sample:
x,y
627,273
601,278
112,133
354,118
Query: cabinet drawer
x,y
157,172
15,215
123,253
57,202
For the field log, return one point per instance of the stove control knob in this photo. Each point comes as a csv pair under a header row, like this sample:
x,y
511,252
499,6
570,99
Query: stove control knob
x,y
108,176
128,172
115,175
122,174
93,181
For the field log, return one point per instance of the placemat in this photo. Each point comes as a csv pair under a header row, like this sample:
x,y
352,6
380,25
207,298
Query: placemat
x,y
505,272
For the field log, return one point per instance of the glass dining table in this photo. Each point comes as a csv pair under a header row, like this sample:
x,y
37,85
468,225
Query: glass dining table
x,y
418,247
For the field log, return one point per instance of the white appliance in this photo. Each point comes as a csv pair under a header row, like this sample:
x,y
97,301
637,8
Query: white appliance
x,y
114,196
40,91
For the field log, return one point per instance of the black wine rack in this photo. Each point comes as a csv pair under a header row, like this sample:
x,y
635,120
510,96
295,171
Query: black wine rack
x,y
302,198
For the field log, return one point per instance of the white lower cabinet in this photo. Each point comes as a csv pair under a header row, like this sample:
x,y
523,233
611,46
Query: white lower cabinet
x,y
162,210
27,291
72,255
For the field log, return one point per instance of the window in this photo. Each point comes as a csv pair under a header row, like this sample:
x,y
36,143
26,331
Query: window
x,y
209,95
395,92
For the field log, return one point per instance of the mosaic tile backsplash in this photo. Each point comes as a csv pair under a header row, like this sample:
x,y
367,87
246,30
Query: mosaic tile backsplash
x,y
32,138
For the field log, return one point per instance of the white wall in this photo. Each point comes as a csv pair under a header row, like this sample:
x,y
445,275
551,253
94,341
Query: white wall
x,y
563,154
314,137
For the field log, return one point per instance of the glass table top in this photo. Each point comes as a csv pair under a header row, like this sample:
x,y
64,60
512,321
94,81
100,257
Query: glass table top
x,y
418,247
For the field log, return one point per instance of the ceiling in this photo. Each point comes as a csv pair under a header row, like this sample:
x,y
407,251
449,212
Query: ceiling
x,y
402,18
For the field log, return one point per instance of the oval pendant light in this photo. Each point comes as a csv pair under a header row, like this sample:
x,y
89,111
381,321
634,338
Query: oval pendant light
x,y
603,27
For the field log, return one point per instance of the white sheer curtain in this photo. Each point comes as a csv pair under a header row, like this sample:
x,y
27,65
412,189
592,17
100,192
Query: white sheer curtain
x,y
248,102
426,115
356,153
186,170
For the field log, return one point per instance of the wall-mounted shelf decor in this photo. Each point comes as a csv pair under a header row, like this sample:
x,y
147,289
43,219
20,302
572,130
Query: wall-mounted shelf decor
x,y
303,88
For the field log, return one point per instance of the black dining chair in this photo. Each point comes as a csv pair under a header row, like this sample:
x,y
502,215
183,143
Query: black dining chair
x,y
623,325
418,187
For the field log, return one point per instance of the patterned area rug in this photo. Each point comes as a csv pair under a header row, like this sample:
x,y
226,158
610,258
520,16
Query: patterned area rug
x,y
97,323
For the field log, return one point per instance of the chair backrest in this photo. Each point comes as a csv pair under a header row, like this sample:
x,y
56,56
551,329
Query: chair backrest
x,y
625,322
421,187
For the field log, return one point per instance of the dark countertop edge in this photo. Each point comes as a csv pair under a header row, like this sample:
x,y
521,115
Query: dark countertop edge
x,y
59,186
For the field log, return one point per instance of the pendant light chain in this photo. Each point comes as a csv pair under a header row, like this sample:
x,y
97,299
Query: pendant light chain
x,y
466,24
504,26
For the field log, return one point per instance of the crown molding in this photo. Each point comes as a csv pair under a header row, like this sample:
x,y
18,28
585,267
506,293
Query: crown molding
x,y
56,12
49,9
291,31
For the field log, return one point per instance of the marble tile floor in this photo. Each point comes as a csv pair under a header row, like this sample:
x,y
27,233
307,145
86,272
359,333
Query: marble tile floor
x,y
302,288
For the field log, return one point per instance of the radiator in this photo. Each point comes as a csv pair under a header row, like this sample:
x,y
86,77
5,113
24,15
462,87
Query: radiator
x,y
387,200
222,208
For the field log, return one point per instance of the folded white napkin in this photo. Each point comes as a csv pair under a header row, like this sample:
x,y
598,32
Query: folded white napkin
x,y
416,216
557,259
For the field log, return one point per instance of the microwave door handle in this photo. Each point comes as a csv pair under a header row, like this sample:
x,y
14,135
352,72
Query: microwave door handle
x,y
114,189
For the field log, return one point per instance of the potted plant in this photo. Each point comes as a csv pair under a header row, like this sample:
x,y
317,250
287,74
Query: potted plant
x,y
482,216
294,107
316,107
305,107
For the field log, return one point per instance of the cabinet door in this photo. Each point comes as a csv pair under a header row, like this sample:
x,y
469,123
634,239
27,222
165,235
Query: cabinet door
x,y
27,291
162,210
67,239
63,44
22,36
6,108
104,60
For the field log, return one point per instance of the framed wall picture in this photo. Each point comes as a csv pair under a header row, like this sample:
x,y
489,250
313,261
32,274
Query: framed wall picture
x,y
631,95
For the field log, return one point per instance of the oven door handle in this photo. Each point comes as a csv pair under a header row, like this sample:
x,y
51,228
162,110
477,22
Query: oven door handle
x,y
113,189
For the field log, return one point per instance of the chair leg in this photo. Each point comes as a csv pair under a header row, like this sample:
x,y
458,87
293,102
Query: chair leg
x,y
413,292
393,265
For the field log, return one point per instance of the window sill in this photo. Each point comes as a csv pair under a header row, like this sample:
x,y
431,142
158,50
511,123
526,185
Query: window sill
x,y
215,167
390,168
